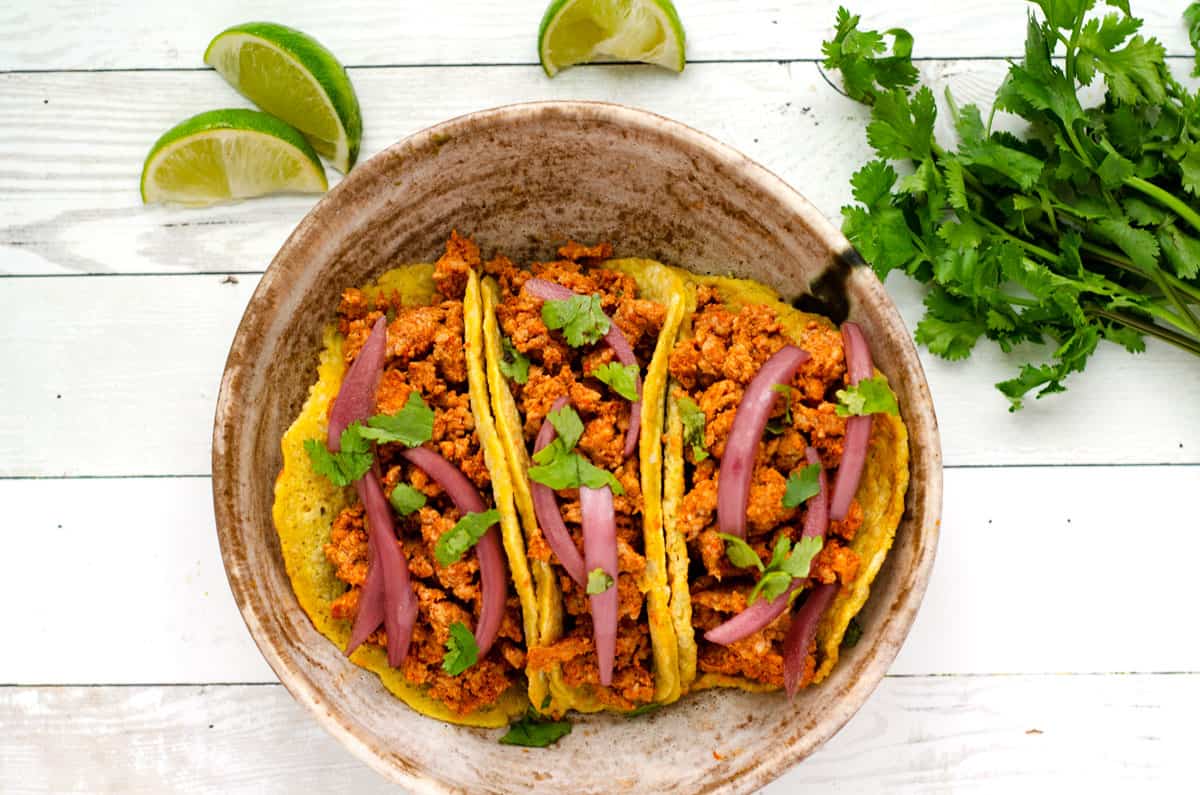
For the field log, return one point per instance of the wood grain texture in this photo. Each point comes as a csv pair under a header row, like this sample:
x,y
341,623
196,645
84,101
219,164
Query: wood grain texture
x,y
1030,578
915,735
77,34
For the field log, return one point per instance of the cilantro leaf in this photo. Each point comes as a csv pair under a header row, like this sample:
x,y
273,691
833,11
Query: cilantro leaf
x,y
802,486
598,581
789,562
1138,244
621,378
405,499
868,396
901,127
693,427
644,709
559,467
1181,250
513,364
580,318
740,553
567,425
770,586
461,650
411,426
466,533
859,55
979,149
799,563
779,425
533,732
347,465
853,634
1191,18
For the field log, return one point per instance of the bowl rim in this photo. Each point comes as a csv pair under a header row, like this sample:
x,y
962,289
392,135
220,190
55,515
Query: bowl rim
x,y
240,357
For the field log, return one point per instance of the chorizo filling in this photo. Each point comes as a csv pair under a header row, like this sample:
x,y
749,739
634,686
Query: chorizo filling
x,y
426,355
560,365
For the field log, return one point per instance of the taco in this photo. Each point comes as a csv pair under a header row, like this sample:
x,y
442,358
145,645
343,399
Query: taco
x,y
786,470
576,354
394,506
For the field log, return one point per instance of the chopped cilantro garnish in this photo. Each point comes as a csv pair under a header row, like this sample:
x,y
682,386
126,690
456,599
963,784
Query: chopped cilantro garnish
x,y
558,466
740,553
802,485
598,581
412,425
454,543
562,468
546,700
348,464
567,424
405,499
534,732
770,586
788,562
461,650
514,364
693,427
853,633
621,378
780,424
580,318
868,396
644,709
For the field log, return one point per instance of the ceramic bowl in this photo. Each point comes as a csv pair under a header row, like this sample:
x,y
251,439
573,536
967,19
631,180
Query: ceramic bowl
x,y
521,179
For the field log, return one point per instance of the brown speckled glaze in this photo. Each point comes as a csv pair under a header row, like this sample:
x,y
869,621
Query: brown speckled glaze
x,y
521,179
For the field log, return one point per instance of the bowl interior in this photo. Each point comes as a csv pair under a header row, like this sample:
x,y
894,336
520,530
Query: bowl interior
x,y
521,180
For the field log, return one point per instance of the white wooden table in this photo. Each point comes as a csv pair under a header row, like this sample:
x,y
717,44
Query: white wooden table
x,y
1057,644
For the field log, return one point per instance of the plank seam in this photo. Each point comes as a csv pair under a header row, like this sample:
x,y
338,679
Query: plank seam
x,y
520,64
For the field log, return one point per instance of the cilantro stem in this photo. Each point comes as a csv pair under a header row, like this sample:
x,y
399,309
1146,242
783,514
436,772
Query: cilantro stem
x,y
1124,263
1180,304
1025,244
1154,330
1166,199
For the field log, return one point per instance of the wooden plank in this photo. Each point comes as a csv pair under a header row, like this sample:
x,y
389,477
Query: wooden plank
x,y
145,353
76,34
1027,563
915,735
67,214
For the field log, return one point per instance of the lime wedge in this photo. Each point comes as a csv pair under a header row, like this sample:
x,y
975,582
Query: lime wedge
x,y
577,31
290,75
230,154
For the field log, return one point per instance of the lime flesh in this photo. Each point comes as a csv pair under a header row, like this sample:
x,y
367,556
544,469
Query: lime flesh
x,y
578,31
291,75
230,154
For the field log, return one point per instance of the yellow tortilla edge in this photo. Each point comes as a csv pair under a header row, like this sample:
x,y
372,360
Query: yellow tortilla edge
x,y
307,503
546,621
882,509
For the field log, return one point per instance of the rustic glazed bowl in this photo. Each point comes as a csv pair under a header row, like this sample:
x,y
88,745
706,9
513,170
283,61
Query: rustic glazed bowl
x,y
522,179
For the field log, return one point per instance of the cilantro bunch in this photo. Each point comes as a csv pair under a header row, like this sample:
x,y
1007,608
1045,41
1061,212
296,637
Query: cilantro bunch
x,y
1082,228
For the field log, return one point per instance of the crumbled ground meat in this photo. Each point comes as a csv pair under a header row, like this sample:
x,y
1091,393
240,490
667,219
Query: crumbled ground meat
x,y
426,353
557,369
726,350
